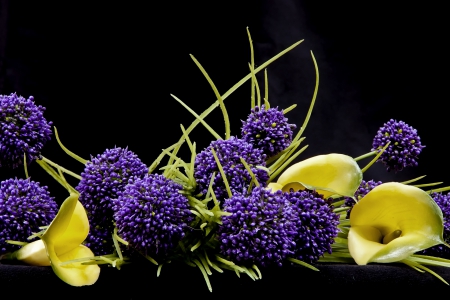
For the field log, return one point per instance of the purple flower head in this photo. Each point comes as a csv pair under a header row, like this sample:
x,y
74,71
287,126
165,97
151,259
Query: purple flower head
x,y
152,215
24,207
364,188
260,229
102,180
443,201
267,130
23,129
229,153
316,225
404,148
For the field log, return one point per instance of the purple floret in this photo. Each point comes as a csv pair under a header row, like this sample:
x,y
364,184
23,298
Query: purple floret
x,y
267,130
316,225
443,201
23,129
229,153
152,215
24,207
404,148
102,180
259,231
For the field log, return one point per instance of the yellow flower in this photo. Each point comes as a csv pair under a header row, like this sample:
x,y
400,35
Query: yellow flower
x,y
62,242
328,174
392,222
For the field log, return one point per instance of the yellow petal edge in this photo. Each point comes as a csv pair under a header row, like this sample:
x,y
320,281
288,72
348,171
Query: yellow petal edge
x,y
328,174
63,240
393,207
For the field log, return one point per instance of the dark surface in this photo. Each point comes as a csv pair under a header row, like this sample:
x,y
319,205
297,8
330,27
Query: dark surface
x,y
137,282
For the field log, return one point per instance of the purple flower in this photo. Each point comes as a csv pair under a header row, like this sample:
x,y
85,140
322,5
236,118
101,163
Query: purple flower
x,y
260,229
364,188
316,225
229,153
267,130
24,207
443,201
404,148
23,129
102,180
152,215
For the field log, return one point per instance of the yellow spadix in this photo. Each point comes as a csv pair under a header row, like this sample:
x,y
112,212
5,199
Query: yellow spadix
x,y
392,222
328,174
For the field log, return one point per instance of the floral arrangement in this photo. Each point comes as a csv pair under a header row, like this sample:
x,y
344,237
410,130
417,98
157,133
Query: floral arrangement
x,y
238,205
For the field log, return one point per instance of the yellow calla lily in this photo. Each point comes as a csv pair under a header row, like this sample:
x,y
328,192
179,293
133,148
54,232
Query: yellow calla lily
x,y
328,174
392,222
62,242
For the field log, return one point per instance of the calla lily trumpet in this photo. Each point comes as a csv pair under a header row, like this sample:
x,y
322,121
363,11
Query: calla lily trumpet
x,y
392,222
62,242
329,174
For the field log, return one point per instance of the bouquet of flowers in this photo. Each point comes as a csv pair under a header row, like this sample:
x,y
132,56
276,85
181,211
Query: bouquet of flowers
x,y
238,205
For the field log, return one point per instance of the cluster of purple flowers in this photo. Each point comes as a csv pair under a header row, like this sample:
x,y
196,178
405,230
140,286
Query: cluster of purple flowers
x,y
404,147
24,207
23,130
316,224
152,215
268,130
103,179
267,227
229,153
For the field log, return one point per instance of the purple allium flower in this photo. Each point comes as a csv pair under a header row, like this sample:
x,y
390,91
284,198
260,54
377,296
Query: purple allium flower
x,y
404,148
364,188
102,180
443,201
229,153
23,129
259,230
268,130
24,207
152,215
316,225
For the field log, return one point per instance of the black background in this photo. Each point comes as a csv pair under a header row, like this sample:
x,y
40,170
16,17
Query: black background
x,y
105,72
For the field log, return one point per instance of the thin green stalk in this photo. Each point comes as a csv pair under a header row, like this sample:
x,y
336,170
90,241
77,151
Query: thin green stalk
x,y
199,118
219,98
375,158
68,152
266,90
77,176
369,154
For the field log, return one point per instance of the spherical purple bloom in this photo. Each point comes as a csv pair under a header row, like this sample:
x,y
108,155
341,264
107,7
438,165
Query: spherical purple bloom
x,y
364,188
443,201
229,153
268,130
404,148
152,215
102,180
24,207
23,129
260,229
316,225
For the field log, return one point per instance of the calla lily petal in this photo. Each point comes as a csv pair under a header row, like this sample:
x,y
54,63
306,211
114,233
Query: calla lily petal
x,y
75,273
328,174
392,222
63,240
274,186
33,253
